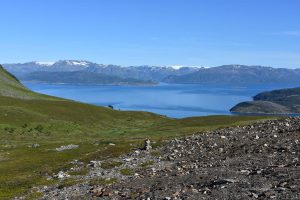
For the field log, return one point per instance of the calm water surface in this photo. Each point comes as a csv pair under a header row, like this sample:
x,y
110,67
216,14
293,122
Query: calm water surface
x,y
172,100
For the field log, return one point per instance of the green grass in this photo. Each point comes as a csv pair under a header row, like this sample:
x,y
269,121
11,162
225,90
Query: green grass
x,y
156,153
80,172
10,86
147,164
28,118
69,182
126,172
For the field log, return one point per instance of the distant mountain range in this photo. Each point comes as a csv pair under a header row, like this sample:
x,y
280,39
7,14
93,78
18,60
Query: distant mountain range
x,y
37,71
237,75
67,71
284,101
81,77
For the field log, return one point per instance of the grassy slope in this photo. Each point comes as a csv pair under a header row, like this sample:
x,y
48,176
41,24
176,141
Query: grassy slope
x,y
259,107
10,86
282,101
27,118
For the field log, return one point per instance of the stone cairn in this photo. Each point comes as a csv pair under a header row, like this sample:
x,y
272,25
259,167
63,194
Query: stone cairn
x,y
147,145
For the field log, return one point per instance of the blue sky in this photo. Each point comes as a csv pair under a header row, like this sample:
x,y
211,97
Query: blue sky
x,y
152,32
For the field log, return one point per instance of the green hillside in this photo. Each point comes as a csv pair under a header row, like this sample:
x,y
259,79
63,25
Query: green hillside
x,y
28,118
11,87
284,101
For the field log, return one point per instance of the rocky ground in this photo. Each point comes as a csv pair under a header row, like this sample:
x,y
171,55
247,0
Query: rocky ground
x,y
259,161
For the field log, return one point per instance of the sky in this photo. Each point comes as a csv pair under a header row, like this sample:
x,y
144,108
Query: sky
x,y
152,32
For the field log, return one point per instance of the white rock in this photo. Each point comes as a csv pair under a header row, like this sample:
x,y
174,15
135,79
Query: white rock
x,y
62,174
137,152
128,159
68,147
245,171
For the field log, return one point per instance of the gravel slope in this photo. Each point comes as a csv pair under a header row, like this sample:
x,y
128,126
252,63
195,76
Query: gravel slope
x,y
259,161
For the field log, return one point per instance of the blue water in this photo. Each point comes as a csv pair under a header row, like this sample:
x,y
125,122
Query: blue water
x,y
176,101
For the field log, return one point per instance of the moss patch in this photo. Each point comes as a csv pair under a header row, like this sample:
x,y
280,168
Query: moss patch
x,y
127,172
147,164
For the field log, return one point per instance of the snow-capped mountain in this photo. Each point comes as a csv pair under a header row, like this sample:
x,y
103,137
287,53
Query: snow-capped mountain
x,y
152,73
227,74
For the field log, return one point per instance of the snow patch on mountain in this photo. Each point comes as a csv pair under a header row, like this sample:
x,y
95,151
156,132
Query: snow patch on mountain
x,y
45,63
176,66
73,62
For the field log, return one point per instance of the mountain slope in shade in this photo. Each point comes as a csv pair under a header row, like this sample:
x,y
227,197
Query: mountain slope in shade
x,y
81,77
285,101
238,75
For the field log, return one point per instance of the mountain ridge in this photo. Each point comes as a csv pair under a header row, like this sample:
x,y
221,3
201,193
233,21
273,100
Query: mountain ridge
x,y
238,74
81,77
144,72
225,74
